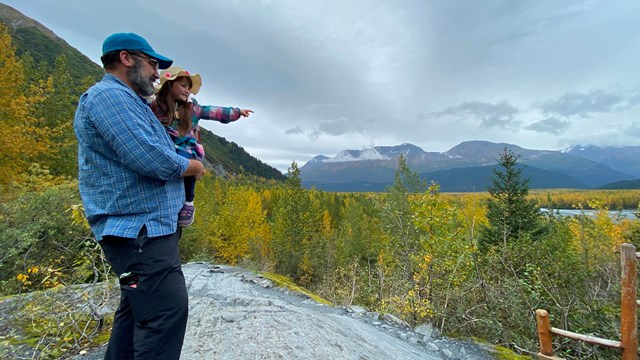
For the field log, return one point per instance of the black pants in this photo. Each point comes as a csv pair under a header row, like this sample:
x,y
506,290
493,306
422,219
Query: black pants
x,y
189,181
152,317
189,188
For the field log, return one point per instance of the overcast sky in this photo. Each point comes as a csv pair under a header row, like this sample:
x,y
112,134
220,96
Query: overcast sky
x,y
324,76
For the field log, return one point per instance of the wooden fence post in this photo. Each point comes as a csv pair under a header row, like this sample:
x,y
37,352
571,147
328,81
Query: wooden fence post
x,y
544,332
628,305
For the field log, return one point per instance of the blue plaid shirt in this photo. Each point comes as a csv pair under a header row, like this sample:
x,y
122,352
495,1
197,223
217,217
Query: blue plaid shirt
x,y
129,172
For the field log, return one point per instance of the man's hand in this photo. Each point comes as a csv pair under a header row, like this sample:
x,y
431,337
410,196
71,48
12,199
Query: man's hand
x,y
195,169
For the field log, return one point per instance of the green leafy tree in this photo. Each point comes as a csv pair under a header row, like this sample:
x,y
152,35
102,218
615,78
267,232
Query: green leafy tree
x,y
56,112
33,71
360,247
294,223
511,216
51,95
397,216
444,258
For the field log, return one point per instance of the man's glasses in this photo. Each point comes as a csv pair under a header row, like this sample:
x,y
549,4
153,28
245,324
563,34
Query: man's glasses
x,y
152,62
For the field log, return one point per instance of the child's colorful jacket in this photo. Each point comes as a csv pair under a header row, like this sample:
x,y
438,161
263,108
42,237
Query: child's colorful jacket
x,y
190,142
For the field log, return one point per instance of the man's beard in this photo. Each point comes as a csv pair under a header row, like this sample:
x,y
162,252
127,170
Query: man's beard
x,y
143,85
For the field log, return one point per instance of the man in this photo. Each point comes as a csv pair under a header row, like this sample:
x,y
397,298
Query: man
x,y
132,190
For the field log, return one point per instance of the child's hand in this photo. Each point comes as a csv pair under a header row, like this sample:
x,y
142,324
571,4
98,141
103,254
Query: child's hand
x,y
245,112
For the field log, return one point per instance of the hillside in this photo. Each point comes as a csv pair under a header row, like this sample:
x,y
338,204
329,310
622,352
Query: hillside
x,y
45,46
622,185
464,179
477,178
226,158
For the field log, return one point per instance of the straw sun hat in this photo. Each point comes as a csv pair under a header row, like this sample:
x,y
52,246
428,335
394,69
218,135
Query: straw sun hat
x,y
174,72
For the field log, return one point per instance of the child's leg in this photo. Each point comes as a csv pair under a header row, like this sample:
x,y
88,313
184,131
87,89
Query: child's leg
x,y
189,188
189,181
186,215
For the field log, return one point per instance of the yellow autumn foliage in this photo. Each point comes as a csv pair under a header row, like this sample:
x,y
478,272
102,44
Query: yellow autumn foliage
x,y
232,223
26,138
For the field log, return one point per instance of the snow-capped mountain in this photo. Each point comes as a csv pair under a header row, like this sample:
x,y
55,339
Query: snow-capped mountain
x,y
580,166
624,158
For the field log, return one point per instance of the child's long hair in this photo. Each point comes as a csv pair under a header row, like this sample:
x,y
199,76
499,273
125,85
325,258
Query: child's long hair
x,y
166,108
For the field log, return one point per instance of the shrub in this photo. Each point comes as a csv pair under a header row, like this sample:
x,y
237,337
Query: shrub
x,y
44,244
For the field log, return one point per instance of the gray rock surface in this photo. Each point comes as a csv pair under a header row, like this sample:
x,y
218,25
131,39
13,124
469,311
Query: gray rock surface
x,y
235,314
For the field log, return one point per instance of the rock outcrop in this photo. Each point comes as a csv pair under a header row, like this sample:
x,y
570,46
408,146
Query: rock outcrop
x,y
236,314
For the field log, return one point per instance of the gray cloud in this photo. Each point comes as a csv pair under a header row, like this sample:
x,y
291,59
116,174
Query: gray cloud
x,y
621,134
339,126
499,115
586,104
294,131
632,129
549,125
634,97
362,74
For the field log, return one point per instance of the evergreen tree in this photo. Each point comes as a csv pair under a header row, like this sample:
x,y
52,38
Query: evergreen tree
x,y
511,216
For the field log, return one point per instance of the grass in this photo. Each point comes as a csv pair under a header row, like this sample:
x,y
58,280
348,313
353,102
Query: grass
x,y
285,282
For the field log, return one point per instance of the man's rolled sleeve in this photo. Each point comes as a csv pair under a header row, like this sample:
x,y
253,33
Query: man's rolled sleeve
x,y
182,165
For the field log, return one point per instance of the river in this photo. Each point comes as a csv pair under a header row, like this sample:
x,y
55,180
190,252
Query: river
x,y
623,214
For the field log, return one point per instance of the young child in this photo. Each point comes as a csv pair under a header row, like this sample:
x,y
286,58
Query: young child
x,y
180,114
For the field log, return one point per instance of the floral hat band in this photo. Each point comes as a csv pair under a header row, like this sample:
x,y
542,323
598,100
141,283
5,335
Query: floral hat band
x,y
175,72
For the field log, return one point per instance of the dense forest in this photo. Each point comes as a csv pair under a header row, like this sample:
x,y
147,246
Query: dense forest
x,y
473,265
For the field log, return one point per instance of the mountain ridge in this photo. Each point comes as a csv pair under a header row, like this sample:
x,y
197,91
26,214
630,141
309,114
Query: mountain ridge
x,y
43,45
567,168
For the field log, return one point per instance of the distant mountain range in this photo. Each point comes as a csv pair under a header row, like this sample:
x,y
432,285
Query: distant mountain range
x,y
468,167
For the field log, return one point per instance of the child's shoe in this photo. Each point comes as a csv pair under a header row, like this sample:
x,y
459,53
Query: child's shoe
x,y
185,217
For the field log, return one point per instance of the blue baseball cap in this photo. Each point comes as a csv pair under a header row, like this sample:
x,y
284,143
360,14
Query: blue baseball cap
x,y
131,41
